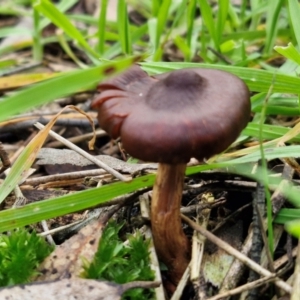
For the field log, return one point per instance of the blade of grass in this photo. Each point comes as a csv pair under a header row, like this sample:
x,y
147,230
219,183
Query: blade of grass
x,y
123,27
274,8
9,31
293,227
294,11
62,6
190,20
115,50
287,214
269,154
257,80
101,27
65,46
46,8
255,6
65,84
289,52
7,63
155,7
35,212
223,6
208,20
177,8
269,132
162,17
37,46
265,175
243,13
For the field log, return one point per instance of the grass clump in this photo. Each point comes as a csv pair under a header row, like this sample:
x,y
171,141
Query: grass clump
x,y
20,254
122,263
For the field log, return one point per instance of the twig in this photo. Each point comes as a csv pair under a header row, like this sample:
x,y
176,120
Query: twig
x,y
229,249
65,176
245,287
258,207
43,120
48,236
20,69
182,284
78,139
296,284
237,268
198,244
85,154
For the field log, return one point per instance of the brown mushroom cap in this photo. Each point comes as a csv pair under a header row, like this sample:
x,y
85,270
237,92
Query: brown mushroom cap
x,y
172,117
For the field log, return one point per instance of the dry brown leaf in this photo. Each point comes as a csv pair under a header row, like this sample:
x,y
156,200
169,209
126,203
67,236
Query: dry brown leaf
x,y
66,261
217,263
71,289
49,156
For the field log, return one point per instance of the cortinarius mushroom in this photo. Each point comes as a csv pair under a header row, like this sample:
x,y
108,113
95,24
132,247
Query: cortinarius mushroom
x,y
168,119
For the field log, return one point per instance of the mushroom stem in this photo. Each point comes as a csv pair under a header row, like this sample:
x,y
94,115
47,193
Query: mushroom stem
x,y
172,246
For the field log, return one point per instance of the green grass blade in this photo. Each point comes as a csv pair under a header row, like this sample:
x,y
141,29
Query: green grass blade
x,y
269,132
221,19
287,214
274,8
101,27
257,80
37,46
208,20
190,20
62,85
289,52
62,6
116,49
9,31
294,11
155,7
35,212
46,8
293,228
162,17
269,153
123,27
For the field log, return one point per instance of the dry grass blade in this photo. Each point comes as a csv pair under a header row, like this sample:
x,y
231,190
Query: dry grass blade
x,y
245,287
26,159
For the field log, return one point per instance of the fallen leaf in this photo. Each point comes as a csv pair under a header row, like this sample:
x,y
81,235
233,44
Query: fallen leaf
x,y
71,289
66,261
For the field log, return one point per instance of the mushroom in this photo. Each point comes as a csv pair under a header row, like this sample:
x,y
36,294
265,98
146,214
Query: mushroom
x,y
170,118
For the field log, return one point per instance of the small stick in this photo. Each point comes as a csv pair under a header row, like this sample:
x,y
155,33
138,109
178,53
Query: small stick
x,y
245,287
65,176
182,284
229,249
85,154
296,284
